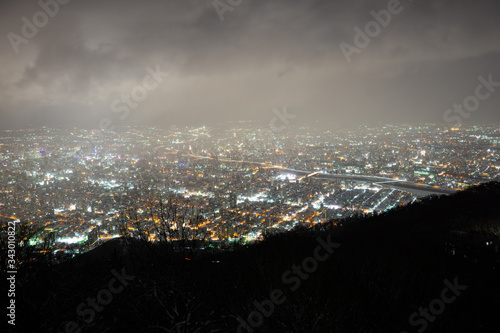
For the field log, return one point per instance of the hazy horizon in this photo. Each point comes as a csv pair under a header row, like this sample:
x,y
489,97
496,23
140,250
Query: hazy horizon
x,y
241,61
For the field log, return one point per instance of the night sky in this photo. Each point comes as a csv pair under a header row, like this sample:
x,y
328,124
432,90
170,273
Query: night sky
x,y
238,59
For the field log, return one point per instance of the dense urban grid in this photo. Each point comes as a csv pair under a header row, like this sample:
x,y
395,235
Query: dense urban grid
x,y
76,188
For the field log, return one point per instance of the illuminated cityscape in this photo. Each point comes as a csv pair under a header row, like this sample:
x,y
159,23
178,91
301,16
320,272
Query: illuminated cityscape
x,y
80,187
252,166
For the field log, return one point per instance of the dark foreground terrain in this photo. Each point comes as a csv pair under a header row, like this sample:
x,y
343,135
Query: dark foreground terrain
x,y
431,266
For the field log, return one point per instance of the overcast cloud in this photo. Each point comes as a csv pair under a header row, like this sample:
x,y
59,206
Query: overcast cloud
x,y
265,54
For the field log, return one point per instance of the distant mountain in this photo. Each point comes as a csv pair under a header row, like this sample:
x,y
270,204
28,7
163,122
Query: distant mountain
x,y
431,266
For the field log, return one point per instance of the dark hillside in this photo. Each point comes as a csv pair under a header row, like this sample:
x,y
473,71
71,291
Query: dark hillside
x,y
386,268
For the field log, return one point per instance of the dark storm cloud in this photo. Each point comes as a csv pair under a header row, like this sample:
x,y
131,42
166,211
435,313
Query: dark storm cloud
x,y
264,54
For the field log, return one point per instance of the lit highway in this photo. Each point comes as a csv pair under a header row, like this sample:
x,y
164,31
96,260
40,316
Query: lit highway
x,y
397,184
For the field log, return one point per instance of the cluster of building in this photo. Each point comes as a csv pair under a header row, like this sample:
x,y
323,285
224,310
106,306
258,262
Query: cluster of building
x,y
76,188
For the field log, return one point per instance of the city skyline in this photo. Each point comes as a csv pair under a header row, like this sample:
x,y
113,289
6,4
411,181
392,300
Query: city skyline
x,y
250,165
83,187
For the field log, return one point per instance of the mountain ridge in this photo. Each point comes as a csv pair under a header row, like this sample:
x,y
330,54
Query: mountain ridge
x,y
386,267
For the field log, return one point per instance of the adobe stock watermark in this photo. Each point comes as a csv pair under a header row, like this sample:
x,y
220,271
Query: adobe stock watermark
x,y
86,311
40,19
372,29
225,6
293,278
471,103
11,271
449,294
90,144
281,118
137,94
